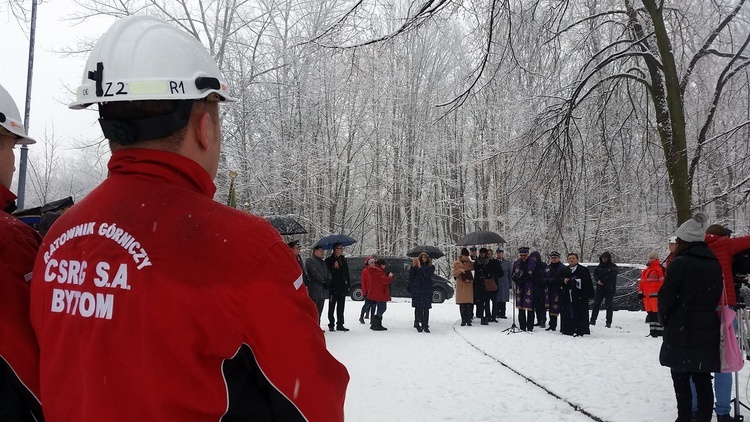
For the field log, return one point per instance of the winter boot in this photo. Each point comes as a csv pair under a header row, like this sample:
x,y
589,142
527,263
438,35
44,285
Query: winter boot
x,y
552,323
340,327
361,319
374,323
426,320
380,324
592,322
417,319
330,327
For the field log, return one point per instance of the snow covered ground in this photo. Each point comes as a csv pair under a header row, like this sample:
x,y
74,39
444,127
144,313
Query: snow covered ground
x,y
468,373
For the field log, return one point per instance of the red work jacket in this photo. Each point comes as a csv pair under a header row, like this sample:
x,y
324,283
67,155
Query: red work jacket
x,y
379,290
18,346
152,302
725,248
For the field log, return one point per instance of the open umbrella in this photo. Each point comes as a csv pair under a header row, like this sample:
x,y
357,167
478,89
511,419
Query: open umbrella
x,y
480,237
285,224
327,242
431,251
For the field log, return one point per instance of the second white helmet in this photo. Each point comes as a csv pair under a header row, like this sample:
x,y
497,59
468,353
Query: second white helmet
x,y
10,118
145,58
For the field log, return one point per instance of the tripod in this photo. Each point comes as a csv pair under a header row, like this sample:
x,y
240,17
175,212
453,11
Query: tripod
x,y
513,328
742,329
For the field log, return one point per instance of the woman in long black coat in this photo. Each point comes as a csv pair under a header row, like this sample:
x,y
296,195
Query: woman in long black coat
x,y
687,309
420,285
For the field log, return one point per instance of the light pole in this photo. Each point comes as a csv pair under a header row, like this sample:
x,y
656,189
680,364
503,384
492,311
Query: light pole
x,y
27,111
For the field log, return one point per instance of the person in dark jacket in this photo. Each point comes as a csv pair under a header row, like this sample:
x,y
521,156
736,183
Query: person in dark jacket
x,y
523,277
482,270
605,277
503,284
577,290
339,287
319,279
554,286
296,248
496,269
539,290
420,286
687,303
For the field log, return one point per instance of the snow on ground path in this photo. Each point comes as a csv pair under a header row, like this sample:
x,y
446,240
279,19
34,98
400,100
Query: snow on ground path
x,y
402,375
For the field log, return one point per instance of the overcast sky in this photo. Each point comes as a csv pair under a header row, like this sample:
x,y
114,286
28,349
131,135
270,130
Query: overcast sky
x,y
54,75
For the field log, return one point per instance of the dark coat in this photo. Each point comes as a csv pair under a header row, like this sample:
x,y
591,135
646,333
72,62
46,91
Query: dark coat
x,y
606,272
319,277
339,276
574,312
482,269
420,286
687,308
503,282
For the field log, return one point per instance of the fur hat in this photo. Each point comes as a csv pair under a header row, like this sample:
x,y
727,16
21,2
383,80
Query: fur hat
x,y
694,230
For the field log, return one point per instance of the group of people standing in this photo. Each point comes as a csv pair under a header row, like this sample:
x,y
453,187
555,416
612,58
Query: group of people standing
x,y
698,278
329,279
539,289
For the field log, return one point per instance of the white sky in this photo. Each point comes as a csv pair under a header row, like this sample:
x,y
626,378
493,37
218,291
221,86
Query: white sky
x,y
54,74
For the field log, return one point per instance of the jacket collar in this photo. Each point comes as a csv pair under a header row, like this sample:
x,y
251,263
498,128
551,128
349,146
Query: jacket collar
x,y
7,199
162,165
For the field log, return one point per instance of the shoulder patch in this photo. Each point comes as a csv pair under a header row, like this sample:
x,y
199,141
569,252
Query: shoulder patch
x,y
298,282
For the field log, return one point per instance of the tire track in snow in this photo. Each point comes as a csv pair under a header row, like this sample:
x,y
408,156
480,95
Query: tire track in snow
x,y
575,407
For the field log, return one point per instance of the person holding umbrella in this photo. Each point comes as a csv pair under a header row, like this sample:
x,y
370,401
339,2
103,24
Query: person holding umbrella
x,y
420,286
339,287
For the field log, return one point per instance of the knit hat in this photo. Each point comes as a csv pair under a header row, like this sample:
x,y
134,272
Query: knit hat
x,y
554,253
694,230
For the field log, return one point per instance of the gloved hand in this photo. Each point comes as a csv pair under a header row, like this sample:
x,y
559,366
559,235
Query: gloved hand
x,y
640,296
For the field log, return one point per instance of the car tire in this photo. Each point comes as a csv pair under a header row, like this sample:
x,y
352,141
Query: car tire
x,y
356,293
438,296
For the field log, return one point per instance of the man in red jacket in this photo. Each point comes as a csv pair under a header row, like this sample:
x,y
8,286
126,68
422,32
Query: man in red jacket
x,y
151,301
19,352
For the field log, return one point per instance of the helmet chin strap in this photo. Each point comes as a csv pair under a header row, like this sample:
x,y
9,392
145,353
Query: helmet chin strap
x,y
126,132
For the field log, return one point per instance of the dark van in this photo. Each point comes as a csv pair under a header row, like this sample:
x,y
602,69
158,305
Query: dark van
x,y
442,289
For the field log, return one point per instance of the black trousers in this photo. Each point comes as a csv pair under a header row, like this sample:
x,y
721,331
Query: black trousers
x,y
704,390
598,298
336,302
466,310
319,303
526,319
422,317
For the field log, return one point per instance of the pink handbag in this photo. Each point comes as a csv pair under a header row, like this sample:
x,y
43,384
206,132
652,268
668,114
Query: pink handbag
x,y
731,355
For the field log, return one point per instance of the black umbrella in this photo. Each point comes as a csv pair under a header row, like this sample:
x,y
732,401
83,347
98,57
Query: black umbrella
x,y
327,242
480,237
286,224
431,251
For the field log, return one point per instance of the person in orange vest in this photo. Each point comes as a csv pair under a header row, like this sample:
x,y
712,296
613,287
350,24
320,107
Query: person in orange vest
x,y
648,291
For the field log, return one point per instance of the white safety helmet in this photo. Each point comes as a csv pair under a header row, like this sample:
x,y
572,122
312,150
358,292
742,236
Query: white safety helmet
x,y
10,118
145,58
